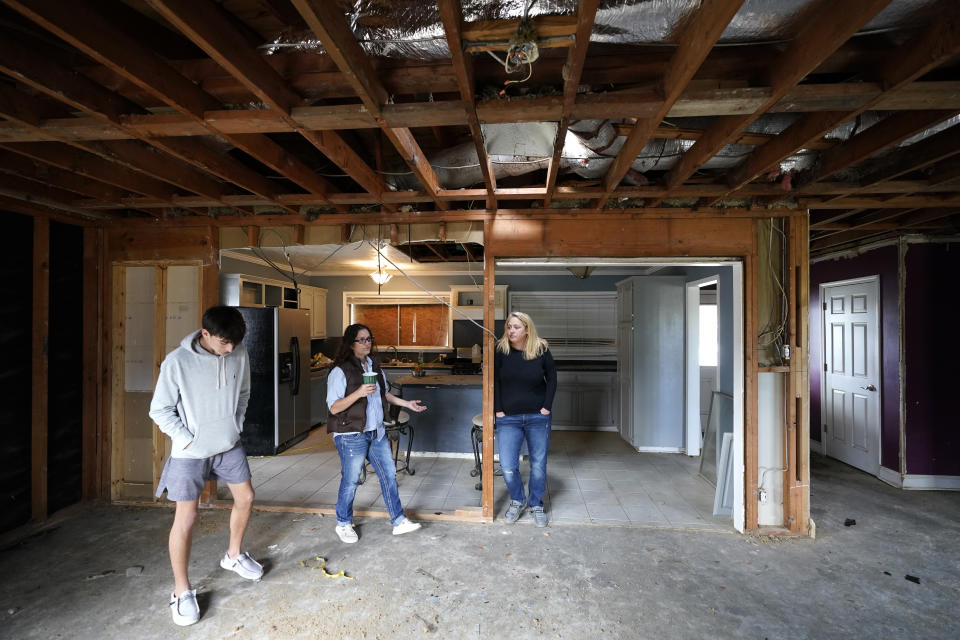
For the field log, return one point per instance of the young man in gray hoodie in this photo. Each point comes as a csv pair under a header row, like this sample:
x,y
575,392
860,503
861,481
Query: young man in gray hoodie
x,y
200,401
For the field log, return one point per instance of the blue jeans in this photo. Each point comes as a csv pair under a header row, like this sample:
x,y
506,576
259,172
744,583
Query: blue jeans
x,y
512,430
354,449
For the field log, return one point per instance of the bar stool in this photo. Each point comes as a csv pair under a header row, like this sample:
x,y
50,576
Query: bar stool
x,y
396,424
476,438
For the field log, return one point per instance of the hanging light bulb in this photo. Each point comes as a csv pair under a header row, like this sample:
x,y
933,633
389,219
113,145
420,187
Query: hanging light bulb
x,y
380,277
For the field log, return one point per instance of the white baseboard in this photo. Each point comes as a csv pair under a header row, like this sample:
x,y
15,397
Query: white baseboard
x,y
659,449
890,476
931,483
816,446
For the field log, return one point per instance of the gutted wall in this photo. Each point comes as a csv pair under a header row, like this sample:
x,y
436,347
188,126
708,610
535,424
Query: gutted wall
x,y
932,440
883,263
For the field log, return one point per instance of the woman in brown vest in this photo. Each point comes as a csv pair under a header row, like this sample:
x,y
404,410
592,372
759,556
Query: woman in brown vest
x,y
356,422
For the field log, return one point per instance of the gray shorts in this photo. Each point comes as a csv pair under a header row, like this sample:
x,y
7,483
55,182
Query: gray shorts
x,y
183,478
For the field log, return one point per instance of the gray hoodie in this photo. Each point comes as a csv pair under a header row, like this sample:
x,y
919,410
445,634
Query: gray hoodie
x,y
200,399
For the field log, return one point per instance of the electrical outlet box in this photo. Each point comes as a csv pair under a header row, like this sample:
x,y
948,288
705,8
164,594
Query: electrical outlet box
x,y
762,496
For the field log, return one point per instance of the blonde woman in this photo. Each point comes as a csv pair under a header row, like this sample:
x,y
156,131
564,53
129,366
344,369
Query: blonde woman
x,y
525,381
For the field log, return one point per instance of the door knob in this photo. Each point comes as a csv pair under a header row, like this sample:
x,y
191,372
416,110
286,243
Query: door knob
x,y
869,387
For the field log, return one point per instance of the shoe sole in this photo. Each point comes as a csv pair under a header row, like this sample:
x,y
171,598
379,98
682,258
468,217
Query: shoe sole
x,y
185,623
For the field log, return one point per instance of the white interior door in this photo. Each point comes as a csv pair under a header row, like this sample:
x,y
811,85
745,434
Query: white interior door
x,y
850,415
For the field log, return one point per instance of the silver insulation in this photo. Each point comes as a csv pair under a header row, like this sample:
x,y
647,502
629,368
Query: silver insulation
x,y
412,29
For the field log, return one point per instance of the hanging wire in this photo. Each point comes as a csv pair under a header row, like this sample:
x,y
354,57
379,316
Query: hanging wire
x,y
431,294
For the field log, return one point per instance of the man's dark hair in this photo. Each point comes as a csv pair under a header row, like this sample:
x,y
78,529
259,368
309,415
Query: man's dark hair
x,y
345,352
225,322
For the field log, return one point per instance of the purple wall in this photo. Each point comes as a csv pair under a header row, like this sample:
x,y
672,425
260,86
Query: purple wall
x,y
882,262
932,376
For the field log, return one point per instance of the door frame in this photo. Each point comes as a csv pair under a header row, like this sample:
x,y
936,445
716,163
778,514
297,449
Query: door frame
x,y
875,354
692,363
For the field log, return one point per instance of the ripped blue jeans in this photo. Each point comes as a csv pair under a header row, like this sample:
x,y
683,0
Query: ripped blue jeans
x,y
354,449
512,431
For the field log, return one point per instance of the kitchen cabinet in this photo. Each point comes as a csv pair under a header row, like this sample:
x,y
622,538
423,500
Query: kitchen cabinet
x,y
469,300
238,290
585,400
315,299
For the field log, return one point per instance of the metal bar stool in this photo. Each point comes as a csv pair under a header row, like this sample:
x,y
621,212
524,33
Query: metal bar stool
x,y
397,423
476,438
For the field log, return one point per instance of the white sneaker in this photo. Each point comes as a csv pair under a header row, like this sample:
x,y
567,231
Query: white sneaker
x,y
346,533
185,609
243,565
405,526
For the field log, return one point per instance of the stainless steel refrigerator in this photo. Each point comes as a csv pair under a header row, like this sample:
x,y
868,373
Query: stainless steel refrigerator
x,y
278,341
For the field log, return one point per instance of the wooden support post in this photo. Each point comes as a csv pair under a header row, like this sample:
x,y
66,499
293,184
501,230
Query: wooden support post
x,y
92,363
159,349
797,477
299,233
253,236
41,334
486,499
751,397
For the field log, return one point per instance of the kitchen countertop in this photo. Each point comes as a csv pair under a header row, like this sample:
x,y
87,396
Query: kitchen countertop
x,y
440,381
411,365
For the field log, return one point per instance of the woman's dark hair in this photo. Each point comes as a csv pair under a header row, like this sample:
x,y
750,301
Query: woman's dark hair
x,y
226,323
345,351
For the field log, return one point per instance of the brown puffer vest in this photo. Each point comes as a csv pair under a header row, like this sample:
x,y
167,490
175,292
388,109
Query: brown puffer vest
x,y
354,418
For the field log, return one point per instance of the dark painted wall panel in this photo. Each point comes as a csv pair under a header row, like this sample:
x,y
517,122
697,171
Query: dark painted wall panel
x,y
64,440
882,262
932,376
16,322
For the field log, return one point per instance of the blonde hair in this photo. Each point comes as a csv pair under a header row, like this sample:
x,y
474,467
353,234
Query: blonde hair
x,y
535,345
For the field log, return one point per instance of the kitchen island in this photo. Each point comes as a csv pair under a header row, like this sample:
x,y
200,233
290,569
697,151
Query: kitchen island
x,y
451,401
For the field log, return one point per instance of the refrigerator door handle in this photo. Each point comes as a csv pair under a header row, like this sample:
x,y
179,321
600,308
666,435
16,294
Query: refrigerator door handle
x,y
295,381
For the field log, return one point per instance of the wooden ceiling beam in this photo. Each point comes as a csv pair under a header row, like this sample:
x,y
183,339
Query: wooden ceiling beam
x,y
451,14
901,66
327,22
822,34
697,40
89,165
30,169
928,151
110,45
715,102
885,134
209,28
572,70
23,189
30,208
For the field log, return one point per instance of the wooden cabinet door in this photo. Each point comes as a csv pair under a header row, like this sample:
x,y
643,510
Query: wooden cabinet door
x,y
423,324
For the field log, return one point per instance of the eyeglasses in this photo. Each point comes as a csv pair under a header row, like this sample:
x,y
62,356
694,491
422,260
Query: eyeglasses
x,y
364,340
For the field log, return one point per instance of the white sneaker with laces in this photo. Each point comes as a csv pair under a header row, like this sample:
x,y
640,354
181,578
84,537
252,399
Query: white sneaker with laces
x,y
346,533
185,609
405,526
243,565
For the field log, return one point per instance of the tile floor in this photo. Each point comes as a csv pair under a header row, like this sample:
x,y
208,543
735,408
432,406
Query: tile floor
x,y
592,477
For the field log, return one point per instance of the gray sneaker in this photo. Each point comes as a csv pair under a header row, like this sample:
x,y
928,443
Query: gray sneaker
x,y
185,609
539,516
513,512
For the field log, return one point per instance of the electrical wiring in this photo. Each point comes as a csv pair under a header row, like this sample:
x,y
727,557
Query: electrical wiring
x,y
263,256
768,329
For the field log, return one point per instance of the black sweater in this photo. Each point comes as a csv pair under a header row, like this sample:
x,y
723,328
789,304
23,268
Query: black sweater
x,y
523,386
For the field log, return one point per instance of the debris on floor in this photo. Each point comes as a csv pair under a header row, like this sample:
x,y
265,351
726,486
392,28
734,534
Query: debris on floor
x,y
913,579
849,522
102,574
322,566
135,570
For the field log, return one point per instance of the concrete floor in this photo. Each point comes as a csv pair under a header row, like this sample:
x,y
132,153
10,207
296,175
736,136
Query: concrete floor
x,y
593,477
102,572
